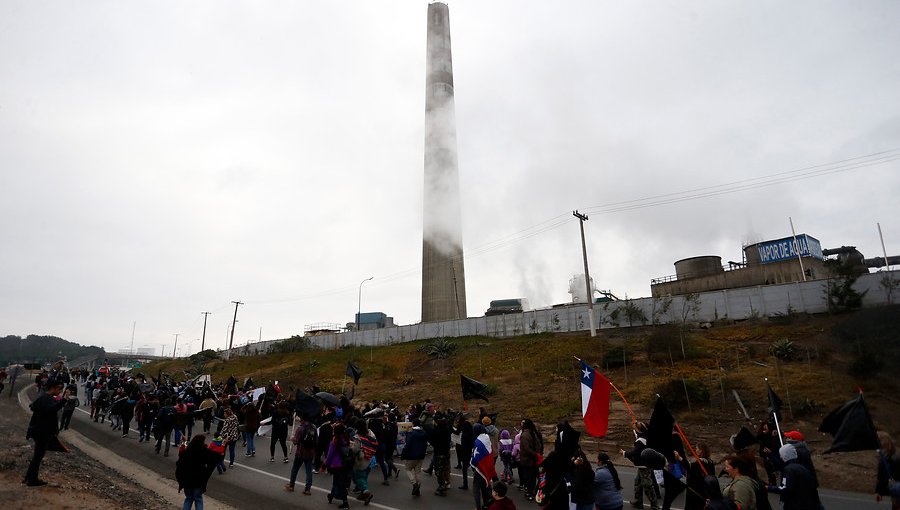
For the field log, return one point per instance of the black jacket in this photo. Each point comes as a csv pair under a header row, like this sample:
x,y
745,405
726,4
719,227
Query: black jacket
x,y
440,438
194,467
44,422
798,488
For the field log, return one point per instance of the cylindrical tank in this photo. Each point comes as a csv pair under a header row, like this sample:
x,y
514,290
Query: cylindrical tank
x,y
698,266
751,254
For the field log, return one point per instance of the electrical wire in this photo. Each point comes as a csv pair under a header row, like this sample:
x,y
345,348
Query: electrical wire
x,y
809,172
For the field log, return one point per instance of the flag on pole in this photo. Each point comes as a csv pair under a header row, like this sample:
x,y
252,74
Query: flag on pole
x,y
659,430
472,389
851,427
594,401
354,371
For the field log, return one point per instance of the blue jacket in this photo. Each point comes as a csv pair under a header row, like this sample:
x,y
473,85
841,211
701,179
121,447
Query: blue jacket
x,y
416,443
606,496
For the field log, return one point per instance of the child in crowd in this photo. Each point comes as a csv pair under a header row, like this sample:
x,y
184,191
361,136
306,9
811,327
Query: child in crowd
x,y
218,445
501,502
506,456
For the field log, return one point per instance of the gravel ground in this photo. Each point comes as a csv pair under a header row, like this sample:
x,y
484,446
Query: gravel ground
x,y
76,480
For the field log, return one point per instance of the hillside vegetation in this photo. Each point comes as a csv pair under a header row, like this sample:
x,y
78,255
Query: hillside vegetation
x,y
42,349
813,363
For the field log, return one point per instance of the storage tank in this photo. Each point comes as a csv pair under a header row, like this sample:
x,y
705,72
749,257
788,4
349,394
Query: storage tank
x,y
698,266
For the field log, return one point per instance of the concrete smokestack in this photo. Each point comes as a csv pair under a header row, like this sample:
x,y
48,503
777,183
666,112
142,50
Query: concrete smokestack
x,y
443,273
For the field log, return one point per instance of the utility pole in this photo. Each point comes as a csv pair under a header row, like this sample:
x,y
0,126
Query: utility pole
x,y
203,341
233,322
135,324
175,348
587,276
887,267
797,247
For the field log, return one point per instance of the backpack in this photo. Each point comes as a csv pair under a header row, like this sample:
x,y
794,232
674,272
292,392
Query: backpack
x,y
308,439
367,447
347,455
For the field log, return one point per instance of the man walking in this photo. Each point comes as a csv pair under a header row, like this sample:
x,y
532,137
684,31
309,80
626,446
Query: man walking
x,y
305,439
43,428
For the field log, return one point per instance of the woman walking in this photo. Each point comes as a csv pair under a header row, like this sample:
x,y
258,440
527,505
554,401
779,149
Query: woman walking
x,y
230,433
251,425
337,465
695,497
195,464
530,448
606,487
281,422
742,489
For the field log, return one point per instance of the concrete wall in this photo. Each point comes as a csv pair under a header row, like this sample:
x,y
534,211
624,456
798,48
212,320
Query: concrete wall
x,y
735,304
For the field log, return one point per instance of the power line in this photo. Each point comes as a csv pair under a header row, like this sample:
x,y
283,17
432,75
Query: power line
x,y
809,172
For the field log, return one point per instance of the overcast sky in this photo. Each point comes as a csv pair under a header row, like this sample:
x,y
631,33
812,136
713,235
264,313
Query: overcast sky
x,y
160,159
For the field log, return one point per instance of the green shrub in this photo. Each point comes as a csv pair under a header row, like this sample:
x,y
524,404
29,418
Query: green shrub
x,y
292,344
439,348
673,392
613,357
783,349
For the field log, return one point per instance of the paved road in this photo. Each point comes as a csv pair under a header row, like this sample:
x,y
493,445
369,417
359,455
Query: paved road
x,y
256,483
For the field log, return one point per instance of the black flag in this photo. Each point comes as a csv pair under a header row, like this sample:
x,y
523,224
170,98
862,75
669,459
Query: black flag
x,y
851,427
353,371
472,389
743,439
775,403
659,430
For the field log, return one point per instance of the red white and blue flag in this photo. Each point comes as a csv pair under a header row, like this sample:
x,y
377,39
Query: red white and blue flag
x,y
483,459
594,400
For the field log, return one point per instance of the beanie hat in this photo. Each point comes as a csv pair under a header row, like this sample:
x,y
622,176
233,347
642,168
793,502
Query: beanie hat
x,y
787,452
486,421
794,434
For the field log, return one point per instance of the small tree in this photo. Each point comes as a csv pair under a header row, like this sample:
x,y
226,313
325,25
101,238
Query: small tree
x,y
839,292
629,311
659,308
889,284
690,305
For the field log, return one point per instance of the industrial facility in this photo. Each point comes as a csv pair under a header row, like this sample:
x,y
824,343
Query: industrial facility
x,y
786,260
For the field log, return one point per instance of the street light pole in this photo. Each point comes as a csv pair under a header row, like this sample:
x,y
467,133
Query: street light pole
x,y
587,276
359,303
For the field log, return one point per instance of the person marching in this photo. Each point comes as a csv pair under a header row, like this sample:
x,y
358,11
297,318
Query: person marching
x,y
43,427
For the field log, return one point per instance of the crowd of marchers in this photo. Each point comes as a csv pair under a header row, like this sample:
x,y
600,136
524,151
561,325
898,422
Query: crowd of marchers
x,y
352,440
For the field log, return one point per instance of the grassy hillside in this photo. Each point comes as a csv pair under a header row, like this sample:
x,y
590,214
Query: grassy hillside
x,y
825,360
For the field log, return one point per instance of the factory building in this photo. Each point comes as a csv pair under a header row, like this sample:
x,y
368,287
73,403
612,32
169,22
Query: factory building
x,y
764,263
783,260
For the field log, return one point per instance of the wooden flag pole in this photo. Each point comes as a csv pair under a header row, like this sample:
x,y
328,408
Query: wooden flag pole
x,y
691,448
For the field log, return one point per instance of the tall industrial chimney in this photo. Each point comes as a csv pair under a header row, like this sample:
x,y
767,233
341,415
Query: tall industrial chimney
x,y
443,274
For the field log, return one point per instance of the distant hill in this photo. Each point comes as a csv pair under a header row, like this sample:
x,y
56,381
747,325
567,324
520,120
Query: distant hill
x,y
42,349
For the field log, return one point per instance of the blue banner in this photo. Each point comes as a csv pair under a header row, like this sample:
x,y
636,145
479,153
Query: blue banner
x,y
787,248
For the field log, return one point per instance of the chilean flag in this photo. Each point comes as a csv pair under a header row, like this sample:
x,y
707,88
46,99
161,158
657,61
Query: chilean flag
x,y
482,458
594,401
